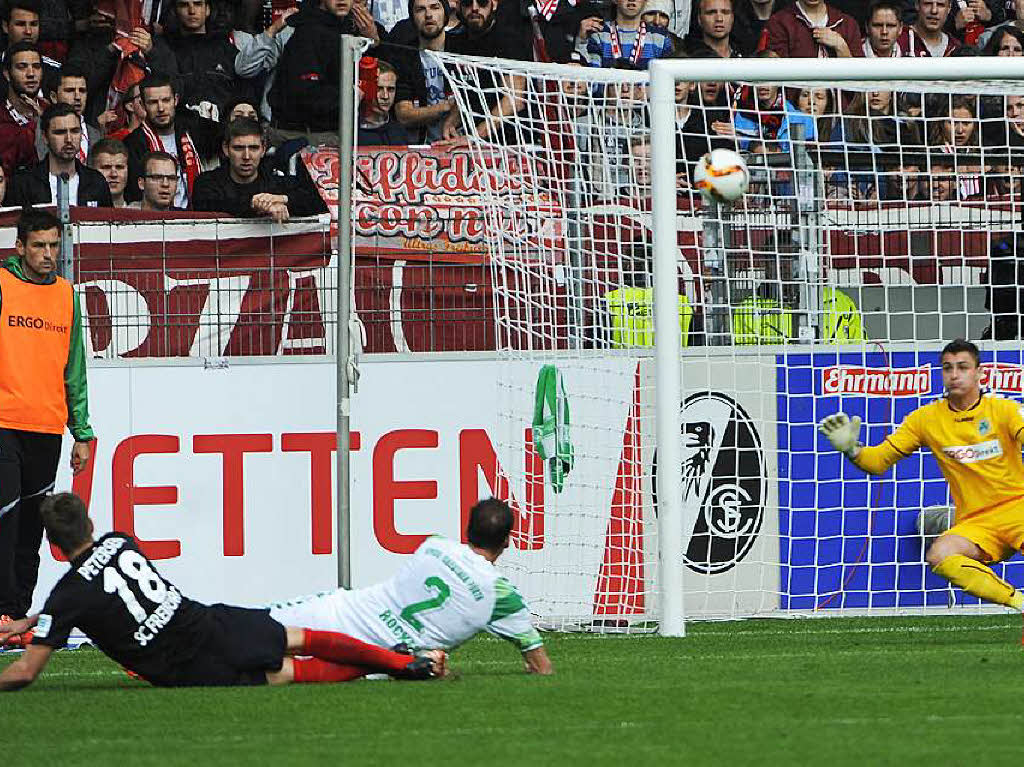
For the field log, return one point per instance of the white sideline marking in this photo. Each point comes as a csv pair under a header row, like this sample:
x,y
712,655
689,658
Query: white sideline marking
x,y
861,630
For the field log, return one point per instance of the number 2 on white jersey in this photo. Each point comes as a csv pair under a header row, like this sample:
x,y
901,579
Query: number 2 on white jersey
x,y
135,566
433,583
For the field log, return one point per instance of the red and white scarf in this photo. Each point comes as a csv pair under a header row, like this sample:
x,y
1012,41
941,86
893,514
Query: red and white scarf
x,y
638,46
188,157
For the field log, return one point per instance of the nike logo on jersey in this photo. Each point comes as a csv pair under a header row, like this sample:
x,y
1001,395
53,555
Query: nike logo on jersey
x,y
974,453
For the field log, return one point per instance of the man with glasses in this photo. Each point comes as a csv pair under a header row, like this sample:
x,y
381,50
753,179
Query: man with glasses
x,y
37,185
158,182
488,31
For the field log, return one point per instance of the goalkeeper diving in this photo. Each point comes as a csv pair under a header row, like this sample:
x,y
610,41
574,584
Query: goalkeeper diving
x,y
976,438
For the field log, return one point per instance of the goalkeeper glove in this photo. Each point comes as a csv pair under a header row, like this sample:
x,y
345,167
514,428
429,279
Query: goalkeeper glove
x,y
842,431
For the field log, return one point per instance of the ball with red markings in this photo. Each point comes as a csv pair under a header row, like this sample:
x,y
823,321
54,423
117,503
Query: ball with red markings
x,y
721,176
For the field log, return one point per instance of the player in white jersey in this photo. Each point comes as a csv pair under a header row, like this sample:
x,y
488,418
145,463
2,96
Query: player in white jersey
x,y
445,594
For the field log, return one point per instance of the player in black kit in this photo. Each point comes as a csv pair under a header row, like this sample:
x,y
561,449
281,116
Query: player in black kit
x,y
141,621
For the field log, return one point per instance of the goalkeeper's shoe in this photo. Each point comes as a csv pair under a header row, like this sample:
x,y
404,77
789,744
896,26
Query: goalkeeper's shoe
x,y
431,664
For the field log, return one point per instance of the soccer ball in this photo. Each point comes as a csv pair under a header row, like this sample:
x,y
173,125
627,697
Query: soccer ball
x,y
721,176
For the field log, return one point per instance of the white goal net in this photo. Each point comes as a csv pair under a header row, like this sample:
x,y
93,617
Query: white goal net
x,y
879,224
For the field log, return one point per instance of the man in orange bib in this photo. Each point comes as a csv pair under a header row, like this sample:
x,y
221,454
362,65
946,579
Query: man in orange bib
x,y
42,391
976,439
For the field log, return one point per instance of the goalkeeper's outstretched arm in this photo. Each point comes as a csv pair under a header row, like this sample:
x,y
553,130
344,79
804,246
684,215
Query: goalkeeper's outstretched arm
x,y
843,433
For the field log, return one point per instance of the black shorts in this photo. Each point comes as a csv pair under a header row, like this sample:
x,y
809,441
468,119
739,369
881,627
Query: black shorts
x,y
242,646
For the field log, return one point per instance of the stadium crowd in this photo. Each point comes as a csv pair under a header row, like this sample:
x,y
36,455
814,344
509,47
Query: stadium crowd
x,y
203,104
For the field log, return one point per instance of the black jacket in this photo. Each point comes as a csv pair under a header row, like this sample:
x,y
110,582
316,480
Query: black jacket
x,y
90,53
215,192
31,186
205,135
206,65
305,91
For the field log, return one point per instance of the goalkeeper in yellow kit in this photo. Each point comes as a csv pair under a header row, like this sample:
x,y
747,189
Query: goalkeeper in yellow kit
x,y
976,439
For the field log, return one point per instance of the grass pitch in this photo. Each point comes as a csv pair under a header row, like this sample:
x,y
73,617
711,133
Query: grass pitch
x,y
834,692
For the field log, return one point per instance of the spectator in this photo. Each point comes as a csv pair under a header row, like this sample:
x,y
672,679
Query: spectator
x,y
764,120
883,30
812,29
158,182
420,100
245,188
62,129
192,139
715,22
658,13
1014,11
626,38
954,133
23,66
241,106
304,98
1015,122
70,88
971,18
820,103
94,53
925,36
21,25
693,137
134,112
480,35
749,20
205,59
258,56
1005,41
377,128
110,157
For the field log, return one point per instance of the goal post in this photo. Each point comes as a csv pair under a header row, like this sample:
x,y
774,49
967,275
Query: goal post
x,y
698,345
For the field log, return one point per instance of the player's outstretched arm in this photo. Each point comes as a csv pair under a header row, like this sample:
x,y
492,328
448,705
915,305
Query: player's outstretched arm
x,y
24,671
537,661
843,434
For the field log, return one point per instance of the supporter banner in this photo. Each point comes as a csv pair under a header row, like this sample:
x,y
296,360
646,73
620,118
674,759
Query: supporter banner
x,y
181,285
846,539
428,204
225,474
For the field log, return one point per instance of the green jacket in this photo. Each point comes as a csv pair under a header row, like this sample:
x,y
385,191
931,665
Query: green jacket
x,y
76,390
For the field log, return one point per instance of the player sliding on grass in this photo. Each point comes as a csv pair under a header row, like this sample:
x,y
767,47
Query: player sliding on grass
x,y
976,439
138,619
446,593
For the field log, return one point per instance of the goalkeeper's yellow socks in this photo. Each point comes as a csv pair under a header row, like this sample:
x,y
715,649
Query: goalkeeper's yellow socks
x,y
978,579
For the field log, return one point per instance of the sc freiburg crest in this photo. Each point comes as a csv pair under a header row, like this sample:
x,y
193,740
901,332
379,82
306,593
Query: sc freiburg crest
x,y
724,477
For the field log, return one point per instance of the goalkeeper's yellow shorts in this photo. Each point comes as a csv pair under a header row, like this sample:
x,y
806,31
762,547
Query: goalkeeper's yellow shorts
x,y
999,531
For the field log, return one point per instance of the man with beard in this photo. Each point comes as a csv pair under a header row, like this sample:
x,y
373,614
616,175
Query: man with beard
x,y
305,96
22,26
70,87
206,59
488,31
192,140
245,189
627,38
23,66
62,129
420,100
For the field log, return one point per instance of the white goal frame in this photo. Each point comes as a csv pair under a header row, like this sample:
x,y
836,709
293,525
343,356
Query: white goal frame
x,y
674,519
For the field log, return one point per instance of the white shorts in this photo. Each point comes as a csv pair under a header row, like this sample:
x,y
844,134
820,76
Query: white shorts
x,y
330,611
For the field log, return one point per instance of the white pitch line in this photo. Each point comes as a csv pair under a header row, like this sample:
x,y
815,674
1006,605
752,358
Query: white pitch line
x,y
860,630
